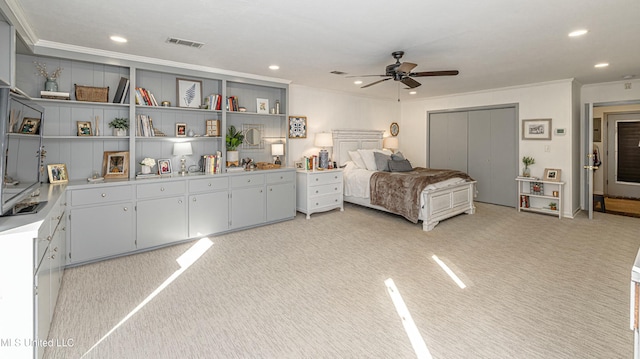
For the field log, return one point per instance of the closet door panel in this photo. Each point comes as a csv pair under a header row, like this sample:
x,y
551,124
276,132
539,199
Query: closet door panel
x,y
480,153
504,156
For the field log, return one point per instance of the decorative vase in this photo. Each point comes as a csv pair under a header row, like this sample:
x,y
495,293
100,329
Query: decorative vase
x,y
120,132
233,158
526,172
146,169
51,85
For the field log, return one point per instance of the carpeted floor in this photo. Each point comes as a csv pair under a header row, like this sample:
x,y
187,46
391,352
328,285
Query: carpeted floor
x,y
537,287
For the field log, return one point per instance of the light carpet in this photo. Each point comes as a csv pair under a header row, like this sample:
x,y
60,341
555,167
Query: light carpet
x,y
538,287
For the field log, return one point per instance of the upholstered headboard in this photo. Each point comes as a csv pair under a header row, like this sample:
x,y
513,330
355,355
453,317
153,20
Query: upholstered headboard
x,y
351,140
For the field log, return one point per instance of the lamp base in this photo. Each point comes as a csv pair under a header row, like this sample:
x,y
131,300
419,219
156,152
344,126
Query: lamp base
x,y
183,166
324,159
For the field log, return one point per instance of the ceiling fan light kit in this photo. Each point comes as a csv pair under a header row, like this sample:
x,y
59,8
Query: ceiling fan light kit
x,y
401,71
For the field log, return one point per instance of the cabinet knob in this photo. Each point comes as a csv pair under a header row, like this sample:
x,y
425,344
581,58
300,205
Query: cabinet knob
x,y
194,199
336,177
336,200
104,195
281,177
260,191
49,238
125,209
209,184
53,256
55,249
336,188
180,201
317,191
161,189
270,189
316,179
249,180
316,203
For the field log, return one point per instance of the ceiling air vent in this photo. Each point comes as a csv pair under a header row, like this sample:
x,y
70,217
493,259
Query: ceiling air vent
x,y
173,40
336,72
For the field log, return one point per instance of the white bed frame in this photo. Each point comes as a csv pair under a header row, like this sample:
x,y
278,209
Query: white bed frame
x,y
439,204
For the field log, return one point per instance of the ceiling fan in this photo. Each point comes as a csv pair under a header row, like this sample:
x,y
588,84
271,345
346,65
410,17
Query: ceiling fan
x,y
401,71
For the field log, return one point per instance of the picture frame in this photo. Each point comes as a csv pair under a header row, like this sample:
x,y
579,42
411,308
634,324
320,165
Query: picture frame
x,y
115,164
552,174
536,129
213,128
297,127
181,130
84,128
394,129
58,173
30,126
188,93
262,105
164,166
299,165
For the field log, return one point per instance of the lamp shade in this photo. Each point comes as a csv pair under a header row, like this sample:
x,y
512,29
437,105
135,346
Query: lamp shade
x,y
323,139
182,149
277,149
390,143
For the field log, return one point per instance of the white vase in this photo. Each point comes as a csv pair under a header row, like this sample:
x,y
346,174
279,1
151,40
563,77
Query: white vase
x,y
232,156
120,132
146,169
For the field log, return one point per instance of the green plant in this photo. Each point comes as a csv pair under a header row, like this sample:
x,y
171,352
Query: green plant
x,y
528,161
234,138
120,123
552,205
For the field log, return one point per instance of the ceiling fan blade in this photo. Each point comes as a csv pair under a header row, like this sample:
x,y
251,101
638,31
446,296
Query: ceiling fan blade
x,y
405,67
435,73
377,82
410,82
365,76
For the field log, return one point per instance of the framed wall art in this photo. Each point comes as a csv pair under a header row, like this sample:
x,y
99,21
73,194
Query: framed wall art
x,y
297,127
58,173
539,129
552,174
188,93
262,105
115,164
164,166
84,128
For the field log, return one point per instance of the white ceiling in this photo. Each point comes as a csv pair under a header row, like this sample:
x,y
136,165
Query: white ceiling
x,y
493,43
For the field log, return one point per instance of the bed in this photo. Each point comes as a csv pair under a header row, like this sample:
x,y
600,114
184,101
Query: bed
x,y
451,194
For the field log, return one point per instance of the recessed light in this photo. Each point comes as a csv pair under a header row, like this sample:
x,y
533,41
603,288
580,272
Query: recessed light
x,y
602,64
357,82
413,92
578,33
274,67
118,39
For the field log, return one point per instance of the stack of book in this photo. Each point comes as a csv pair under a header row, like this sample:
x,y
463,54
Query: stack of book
x,y
144,126
232,103
212,164
122,91
215,102
310,163
55,95
144,97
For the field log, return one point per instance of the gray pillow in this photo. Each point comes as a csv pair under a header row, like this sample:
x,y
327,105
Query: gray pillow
x,y
382,161
398,156
400,166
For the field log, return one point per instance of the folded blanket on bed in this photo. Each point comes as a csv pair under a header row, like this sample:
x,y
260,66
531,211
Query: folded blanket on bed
x,y
399,192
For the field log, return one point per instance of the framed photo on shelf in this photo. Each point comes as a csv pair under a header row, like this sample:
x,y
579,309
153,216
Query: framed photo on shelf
x,y
181,130
58,173
84,128
164,166
536,129
115,164
299,165
189,93
297,127
552,174
30,126
262,105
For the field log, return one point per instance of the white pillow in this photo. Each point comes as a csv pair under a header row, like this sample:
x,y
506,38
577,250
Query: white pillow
x,y
385,151
369,159
357,159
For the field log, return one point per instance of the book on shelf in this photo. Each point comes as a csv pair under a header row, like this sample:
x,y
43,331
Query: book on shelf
x,y
144,126
232,103
144,97
147,175
235,169
54,95
123,87
212,164
215,102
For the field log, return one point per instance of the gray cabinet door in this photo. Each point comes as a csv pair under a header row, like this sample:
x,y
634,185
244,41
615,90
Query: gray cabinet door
x,y
161,221
208,213
247,207
102,231
281,201
448,141
43,304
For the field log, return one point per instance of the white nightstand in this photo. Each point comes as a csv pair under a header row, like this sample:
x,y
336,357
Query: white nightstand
x,y
318,191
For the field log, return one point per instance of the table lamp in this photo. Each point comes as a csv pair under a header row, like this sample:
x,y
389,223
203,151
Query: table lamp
x,y
277,150
324,140
182,149
390,143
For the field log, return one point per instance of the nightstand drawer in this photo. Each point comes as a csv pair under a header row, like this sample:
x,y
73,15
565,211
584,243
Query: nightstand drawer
x,y
101,195
321,190
209,184
325,178
280,177
247,181
161,189
324,201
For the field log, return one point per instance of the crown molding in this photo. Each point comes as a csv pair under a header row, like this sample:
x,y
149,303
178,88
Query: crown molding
x,y
13,12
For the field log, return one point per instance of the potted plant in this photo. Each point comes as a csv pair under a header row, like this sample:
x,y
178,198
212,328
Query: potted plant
x,y
120,126
528,161
553,206
234,139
